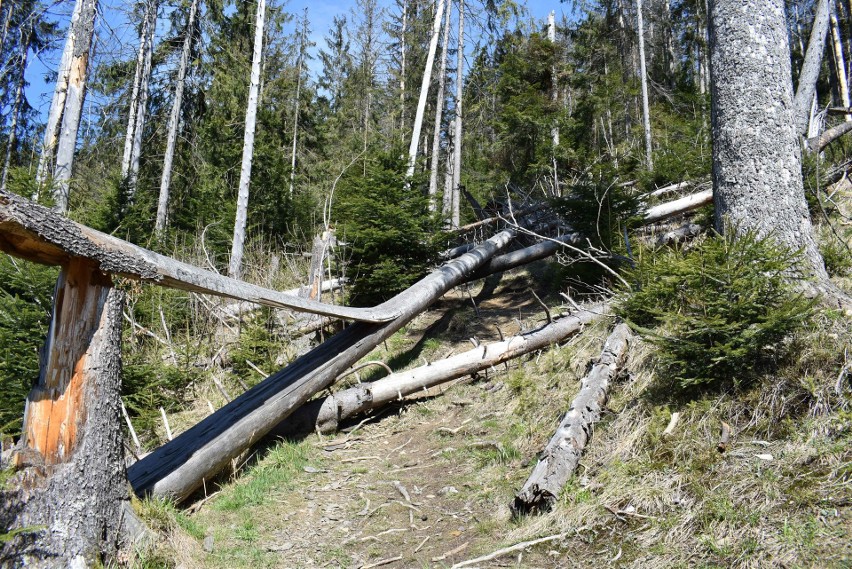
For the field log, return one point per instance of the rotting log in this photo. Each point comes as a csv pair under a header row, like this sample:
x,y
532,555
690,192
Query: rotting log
x,y
180,466
562,454
325,414
68,496
36,233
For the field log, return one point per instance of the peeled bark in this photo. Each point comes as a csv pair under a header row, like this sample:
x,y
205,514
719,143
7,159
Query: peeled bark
x,y
82,30
180,466
439,111
810,67
455,216
235,265
839,62
174,120
646,114
424,90
326,414
138,101
57,104
71,488
562,454
757,174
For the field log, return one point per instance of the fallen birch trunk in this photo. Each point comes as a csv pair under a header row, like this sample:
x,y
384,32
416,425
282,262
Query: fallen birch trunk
x,y
181,466
562,454
326,414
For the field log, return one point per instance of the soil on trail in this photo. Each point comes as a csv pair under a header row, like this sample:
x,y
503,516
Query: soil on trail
x,y
423,483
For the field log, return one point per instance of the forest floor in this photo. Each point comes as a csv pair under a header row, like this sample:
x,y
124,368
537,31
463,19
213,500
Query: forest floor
x,y
428,481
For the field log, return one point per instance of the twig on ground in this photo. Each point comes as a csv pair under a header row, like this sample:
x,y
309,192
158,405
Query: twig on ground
x,y
672,424
382,562
450,553
507,550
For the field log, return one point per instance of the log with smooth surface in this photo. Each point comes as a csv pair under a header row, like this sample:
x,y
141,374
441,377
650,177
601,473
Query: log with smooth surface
x,y
180,466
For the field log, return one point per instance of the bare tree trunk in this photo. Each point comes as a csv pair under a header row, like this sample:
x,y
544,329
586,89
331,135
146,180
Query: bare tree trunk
x,y
839,61
457,139
72,480
174,120
296,103
643,76
180,466
325,414
235,266
757,177
424,90
810,68
562,454
402,54
139,101
57,105
83,30
16,106
439,110
554,97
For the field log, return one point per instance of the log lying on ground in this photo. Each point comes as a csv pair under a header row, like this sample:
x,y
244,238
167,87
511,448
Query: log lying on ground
x,y
326,414
180,466
678,207
562,454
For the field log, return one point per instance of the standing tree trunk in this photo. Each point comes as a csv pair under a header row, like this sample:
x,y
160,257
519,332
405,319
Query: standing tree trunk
x,y
139,101
72,482
439,112
455,216
806,90
757,176
643,77
80,34
554,97
235,265
424,90
402,54
302,42
57,105
174,120
16,106
840,62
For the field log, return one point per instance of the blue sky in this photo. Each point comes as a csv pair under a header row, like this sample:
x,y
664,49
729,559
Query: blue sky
x,y
119,40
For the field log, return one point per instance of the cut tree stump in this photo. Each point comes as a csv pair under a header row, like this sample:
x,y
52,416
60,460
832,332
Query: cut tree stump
x,y
66,500
562,454
326,414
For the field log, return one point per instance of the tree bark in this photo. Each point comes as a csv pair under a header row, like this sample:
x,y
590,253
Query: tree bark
x,y
72,487
839,61
174,121
757,175
439,112
16,106
57,104
326,414
132,176
810,67
643,77
303,40
424,90
235,265
180,466
562,454
82,30
455,216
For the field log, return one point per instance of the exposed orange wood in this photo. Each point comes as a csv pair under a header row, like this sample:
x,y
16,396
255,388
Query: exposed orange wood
x,y
56,405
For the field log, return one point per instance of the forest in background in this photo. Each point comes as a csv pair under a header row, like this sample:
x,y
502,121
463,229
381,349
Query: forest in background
x,y
552,113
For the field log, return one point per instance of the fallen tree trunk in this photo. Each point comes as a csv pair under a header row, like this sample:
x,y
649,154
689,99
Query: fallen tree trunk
x,y
180,466
326,414
36,233
679,206
562,454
